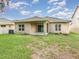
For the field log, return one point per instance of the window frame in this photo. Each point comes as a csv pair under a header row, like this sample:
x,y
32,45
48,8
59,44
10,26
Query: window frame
x,y
21,27
57,27
41,26
3,25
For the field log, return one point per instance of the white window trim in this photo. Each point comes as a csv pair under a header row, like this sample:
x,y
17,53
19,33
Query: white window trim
x,y
21,27
57,27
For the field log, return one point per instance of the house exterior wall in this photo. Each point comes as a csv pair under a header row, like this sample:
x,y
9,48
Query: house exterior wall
x,y
75,21
5,30
31,28
65,29
27,28
46,27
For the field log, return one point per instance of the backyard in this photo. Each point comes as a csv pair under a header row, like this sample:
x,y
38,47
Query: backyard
x,y
52,46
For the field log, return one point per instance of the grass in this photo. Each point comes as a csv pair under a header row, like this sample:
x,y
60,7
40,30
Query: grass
x,y
15,46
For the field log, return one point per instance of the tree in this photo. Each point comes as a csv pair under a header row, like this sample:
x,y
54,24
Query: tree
x,y
3,3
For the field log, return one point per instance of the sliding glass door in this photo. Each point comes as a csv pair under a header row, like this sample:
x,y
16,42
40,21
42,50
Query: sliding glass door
x,y
40,28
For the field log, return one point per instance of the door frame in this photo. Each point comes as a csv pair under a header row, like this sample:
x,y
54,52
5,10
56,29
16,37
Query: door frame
x,y
41,28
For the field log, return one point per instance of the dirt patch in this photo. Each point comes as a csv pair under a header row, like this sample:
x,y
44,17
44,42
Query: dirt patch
x,y
40,51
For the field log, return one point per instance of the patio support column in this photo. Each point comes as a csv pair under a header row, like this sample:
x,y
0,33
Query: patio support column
x,y
45,28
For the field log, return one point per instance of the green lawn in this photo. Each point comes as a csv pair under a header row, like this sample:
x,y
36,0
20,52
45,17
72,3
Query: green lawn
x,y
15,46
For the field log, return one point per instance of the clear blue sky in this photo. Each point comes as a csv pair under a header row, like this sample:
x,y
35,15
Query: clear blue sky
x,y
29,8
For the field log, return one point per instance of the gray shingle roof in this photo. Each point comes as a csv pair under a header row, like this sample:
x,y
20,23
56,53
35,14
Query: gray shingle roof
x,y
5,21
50,19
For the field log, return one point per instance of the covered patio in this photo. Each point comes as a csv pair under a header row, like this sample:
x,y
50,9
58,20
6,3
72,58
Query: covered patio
x,y
39,28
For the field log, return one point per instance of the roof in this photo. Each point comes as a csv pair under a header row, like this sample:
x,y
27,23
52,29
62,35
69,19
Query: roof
x,y
31,19
75,11
50,19
5,21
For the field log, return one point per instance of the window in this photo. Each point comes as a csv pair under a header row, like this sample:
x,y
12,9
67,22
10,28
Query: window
x,y
3,25
58,27
21,27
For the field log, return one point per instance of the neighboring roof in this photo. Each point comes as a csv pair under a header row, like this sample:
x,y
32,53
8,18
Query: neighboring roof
x,y
75,11
50,19
5,21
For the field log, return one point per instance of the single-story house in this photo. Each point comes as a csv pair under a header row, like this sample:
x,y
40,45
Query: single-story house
x,y
6,26
42,25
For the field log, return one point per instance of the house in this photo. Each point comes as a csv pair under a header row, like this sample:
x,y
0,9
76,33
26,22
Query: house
x,y
75,21
6,26
42,25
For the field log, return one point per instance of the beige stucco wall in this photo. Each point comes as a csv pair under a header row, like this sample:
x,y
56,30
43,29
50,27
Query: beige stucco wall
x,y
33,28
5,30
46,27
64,28
75,22
30,28
27,29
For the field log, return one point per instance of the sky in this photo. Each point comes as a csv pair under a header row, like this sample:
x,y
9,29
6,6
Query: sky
x,y
20,9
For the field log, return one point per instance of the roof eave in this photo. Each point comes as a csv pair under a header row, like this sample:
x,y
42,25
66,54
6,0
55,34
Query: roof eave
x,y
75,11
31,21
